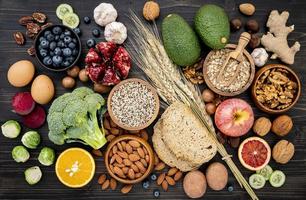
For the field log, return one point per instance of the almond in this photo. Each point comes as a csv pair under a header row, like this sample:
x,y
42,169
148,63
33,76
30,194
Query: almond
x,y
129,149
160,166
105,185
111,168
178,175
112,123
147,158
131,174
144,162
137,175
119,146
170,180
110,154
123,154
134,157
140,152
119,165
113,184
118,159
145,150
113,158
115,149
114,131
97,152
123,144
161,178
101,179
135,168
119,172
144,134
140,167
106,124
125,170
127,162
126,189
134,143
172,171
164,185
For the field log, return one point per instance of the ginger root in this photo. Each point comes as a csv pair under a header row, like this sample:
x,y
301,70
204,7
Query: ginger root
x,y
276,39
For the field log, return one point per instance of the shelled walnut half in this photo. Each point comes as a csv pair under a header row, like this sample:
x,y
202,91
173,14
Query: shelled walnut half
x,y
194,73
275,89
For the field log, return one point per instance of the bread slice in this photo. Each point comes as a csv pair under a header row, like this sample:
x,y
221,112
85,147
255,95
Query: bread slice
x,y
165,154
185,136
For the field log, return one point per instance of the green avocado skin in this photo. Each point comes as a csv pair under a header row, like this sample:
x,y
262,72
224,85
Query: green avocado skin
x,y
180,40
212,24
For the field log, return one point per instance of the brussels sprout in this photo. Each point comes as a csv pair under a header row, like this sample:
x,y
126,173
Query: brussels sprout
x,y
11,129
33,175
46,156
20,154
31,139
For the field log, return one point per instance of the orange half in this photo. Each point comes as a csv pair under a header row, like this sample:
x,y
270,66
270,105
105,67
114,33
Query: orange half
x,y
75,167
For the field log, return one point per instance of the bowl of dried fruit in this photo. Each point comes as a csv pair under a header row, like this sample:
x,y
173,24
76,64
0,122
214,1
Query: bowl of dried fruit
x,y
129,159
133,104
276,88
235,78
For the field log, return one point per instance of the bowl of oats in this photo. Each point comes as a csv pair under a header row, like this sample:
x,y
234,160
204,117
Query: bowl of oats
x,y
235,78
276,88
133,104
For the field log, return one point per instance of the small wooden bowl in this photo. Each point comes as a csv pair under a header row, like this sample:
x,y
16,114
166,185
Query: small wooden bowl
x,y
114,118
144,144
292,76
229,94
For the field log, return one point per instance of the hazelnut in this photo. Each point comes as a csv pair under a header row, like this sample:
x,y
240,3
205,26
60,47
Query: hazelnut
x,y
247,9
208,95
282,125
235,24
283,151
254,41
262,126
151,10
68,82
252,26
83,75
210,108
73,71
102,89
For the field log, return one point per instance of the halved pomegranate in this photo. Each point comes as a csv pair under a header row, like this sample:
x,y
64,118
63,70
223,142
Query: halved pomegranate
x,y
254,153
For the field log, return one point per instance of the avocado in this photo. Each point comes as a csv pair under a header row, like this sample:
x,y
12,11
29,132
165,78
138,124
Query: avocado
x,y
212,25
180,40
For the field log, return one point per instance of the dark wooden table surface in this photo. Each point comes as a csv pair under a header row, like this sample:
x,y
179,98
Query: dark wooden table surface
x,y
12,183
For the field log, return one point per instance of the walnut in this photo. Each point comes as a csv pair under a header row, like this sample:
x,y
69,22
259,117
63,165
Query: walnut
x,y
151,10
282,125
262,126
283,151
194,73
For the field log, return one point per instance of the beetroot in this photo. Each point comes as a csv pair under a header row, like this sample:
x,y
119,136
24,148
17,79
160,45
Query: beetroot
x,y
108,63
36,118
23,103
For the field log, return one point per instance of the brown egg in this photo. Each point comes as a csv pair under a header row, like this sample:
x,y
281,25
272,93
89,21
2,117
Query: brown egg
x,y
21,73
42,89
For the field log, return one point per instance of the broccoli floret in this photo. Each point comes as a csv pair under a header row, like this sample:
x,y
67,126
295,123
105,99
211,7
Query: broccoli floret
x,y
73,117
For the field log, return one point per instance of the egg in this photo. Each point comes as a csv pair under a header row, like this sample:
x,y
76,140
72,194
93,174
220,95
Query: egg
x,y
42,89
21,73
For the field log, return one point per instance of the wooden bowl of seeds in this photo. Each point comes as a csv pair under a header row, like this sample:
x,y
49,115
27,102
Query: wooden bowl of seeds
x,y
235,79
133,104
129,159
276,88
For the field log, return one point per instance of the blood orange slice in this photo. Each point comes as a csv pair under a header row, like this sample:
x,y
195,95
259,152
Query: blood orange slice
x,y
254,153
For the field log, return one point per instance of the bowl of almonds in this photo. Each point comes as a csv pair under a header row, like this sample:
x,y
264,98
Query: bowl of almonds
x,y
129,159
276,88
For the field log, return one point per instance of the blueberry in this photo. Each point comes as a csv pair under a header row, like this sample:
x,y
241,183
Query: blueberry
x,y
41,39
230,188
47,33
57,60
57,30
66,63
71,45
47,60
57,51
43,52
77,31
153,177
51,53
67,52
156,193
57,37
44,44
90,43
67,32
39,47
70,59
62,36
74,40
87,20
146,184
60,44
50,37
95,32
75,52
67,39
52,45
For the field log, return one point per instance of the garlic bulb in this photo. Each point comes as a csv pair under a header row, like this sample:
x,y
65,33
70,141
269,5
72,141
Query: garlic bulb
x,y
260,56
104,14
115,32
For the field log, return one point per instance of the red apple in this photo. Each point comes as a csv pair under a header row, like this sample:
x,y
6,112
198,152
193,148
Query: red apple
x,y
234,117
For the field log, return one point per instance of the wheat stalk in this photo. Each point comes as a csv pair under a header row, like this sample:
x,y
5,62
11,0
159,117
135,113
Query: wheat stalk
x,y
150,56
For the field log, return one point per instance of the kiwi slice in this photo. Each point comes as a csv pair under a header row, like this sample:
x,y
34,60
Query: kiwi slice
x,y
277,178
257,181
265,172
71,20
62,10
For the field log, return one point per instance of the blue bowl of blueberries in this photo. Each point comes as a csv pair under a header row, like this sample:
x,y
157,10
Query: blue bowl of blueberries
x,y
57,47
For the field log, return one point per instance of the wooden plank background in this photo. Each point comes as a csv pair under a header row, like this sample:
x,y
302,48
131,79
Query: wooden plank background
x,y
12,183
